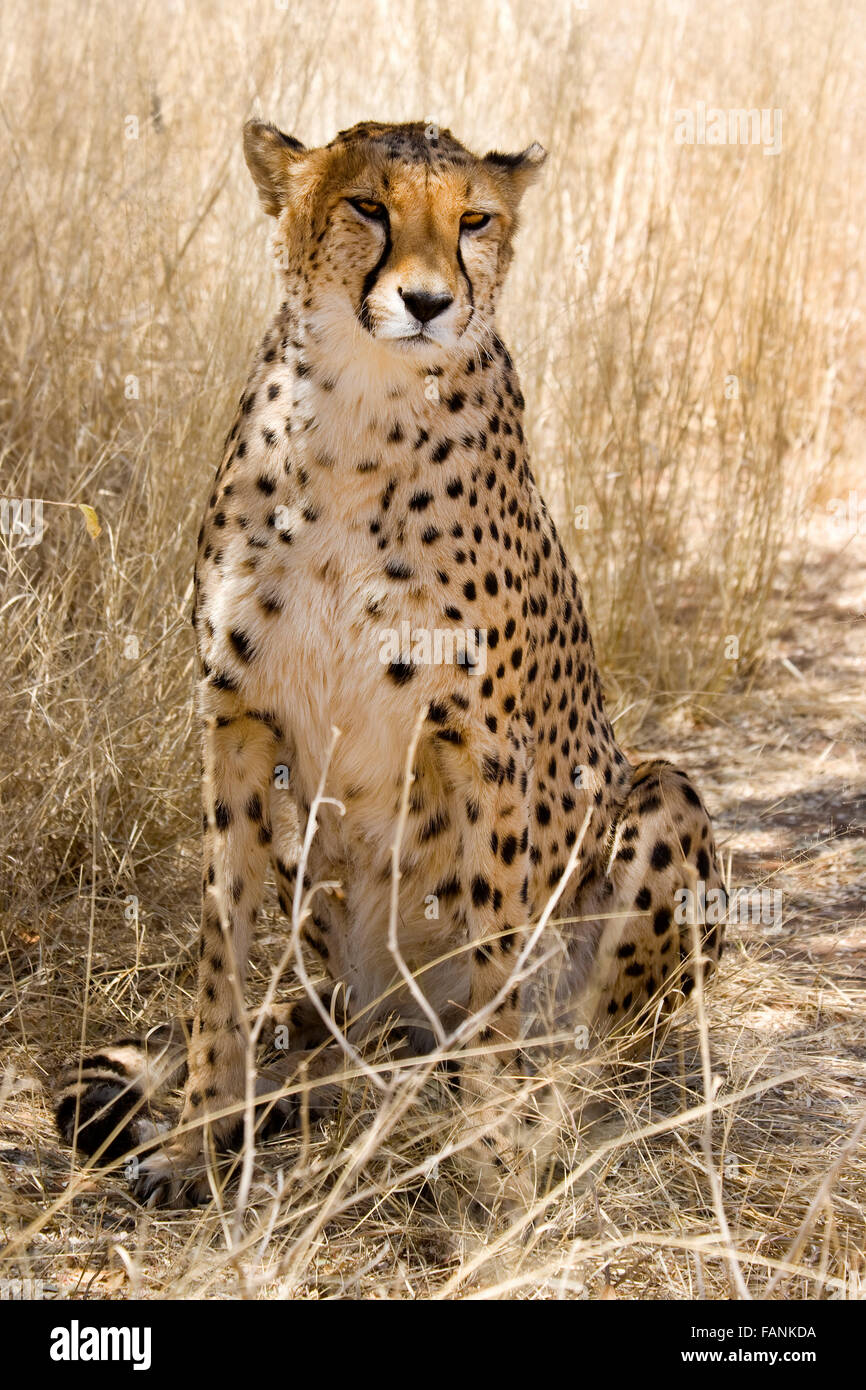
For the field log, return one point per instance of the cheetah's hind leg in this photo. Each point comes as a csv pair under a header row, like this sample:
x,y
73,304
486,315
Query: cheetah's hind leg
x,y
665,877
630,956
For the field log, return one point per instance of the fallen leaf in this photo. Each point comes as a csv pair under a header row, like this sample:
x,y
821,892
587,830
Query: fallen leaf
x,y
91,520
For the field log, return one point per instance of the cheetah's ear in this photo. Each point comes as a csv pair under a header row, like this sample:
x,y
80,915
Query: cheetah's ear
x,y
269,153
519,170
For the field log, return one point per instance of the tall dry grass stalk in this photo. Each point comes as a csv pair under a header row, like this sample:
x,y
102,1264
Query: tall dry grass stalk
x,y
685,320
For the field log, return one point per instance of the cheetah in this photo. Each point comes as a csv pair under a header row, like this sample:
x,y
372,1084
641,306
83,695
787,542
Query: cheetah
x,y
374,504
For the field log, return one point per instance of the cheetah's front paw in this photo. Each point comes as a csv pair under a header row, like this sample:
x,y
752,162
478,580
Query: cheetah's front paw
x,y
172,1176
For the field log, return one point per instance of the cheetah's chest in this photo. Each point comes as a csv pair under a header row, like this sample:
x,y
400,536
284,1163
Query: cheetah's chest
x,y
323,660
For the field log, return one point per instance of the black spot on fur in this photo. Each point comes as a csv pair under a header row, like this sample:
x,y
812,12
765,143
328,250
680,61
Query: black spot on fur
x,y
661,856
442,450
242,645
661,921
401,672
480,891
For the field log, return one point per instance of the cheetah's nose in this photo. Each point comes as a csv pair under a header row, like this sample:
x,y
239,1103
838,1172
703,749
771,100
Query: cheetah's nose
x,y
423,305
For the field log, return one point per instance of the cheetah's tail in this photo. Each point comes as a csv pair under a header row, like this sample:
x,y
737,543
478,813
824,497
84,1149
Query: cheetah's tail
x,y
104,1104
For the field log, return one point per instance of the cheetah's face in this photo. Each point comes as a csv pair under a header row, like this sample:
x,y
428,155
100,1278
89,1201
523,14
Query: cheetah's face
x,y
396,232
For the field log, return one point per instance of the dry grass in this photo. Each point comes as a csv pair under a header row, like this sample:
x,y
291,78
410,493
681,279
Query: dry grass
x,y
647,277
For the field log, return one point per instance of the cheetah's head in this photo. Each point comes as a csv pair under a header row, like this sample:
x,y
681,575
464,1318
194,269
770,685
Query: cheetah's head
x,y
392,233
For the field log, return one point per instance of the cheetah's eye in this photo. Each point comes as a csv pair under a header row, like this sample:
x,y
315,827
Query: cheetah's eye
x,y
474,221
374,212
